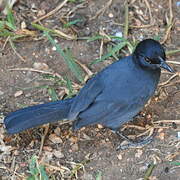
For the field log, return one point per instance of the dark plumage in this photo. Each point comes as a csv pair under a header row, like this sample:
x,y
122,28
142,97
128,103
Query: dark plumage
x,y
111,98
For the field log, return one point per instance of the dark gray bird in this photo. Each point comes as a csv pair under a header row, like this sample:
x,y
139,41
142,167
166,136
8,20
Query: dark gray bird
x,y
111,98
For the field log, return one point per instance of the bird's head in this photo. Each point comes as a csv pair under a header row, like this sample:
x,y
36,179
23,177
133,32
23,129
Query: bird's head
x,y
151,54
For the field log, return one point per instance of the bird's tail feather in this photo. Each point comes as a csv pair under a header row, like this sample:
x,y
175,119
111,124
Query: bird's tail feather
x,y
37,115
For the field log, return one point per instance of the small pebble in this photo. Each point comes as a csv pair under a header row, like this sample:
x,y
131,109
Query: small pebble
x,y
1,93
174,125
23,25
166,170
54,48
110,15
18,93
178,135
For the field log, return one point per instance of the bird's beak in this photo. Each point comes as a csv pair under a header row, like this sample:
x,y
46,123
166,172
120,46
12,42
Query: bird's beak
x,y
164,65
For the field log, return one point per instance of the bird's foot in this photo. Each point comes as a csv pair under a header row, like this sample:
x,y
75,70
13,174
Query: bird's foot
x,y
132,143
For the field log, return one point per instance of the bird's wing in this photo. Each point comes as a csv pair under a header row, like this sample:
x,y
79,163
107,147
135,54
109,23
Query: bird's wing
x,y
109,114
86,96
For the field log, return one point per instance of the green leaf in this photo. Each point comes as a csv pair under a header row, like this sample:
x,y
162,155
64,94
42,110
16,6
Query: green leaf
x,y
43,173
175,163
111,53
32,165
37,171
149,171
52,94
99,175
69,86
10,20
72,23
69,59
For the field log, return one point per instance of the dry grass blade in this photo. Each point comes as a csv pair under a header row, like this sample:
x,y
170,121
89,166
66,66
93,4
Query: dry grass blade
x,y
101,11
14,49
75,85
38,71
46,129
172,52
173,62
170,23
54,31
52,12
85,68
133,126
68,37
79,6
149,9
13,172
56,167
126,23
133,26
167,34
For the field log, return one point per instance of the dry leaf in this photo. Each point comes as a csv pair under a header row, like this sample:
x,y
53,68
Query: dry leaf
x,y
55,139
73,139
47,148
40,66
75,147
161,136
58,154
57,131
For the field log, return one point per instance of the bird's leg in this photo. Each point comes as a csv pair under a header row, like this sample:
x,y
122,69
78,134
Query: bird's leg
x,y
132,143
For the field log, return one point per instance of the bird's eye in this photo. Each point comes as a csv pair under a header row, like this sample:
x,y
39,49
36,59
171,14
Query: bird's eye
x,y
148,60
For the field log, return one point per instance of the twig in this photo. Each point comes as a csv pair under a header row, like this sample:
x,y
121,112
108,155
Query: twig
x,y
126,23
167,121
173,83
177,74
101,11
52,12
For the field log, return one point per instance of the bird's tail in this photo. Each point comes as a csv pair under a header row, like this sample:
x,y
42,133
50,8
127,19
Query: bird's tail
x,y
37,115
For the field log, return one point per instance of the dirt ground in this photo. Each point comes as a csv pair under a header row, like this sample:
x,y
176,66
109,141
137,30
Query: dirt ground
x,y
89,153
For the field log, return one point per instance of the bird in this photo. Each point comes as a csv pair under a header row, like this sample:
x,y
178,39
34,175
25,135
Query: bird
x,y
112,97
